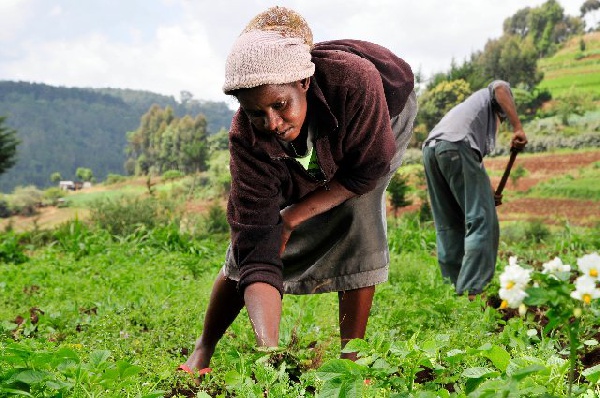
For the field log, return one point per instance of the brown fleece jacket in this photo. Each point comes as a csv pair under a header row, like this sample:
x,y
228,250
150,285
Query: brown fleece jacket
x,y
356,87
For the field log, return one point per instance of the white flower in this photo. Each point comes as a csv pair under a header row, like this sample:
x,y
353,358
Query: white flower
x,y
556,267
585,289
513,282
514,276
512,298
590,265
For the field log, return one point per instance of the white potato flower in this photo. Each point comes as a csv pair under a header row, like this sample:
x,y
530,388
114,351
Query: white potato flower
x,y
514,276
512,298
513,281
585,289
555,267
589,265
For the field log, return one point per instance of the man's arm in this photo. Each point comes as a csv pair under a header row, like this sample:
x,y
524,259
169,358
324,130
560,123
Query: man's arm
x,y
505,100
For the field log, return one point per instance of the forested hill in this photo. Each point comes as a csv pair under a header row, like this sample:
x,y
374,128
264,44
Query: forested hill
x,y
61,129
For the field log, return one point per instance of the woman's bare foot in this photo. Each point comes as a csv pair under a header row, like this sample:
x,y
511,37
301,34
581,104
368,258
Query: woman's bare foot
x,y
199,359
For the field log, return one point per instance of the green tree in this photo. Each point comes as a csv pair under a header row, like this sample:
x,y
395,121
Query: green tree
x,y
512,59
84,174
517,24
589,6
8,146
218,141
548,26
574,102
436,102
398,188
55,177
165,142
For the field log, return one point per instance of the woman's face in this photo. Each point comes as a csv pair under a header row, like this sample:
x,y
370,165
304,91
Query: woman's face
x,y
278,109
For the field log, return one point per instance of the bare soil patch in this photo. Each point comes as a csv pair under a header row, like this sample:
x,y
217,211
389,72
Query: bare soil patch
x,y
540,168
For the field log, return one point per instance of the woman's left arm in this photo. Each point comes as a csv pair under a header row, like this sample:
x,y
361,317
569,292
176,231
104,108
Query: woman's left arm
x,y
317,202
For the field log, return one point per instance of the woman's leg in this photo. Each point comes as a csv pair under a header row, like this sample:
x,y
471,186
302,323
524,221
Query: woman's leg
x,y
263,303
224,306
354,309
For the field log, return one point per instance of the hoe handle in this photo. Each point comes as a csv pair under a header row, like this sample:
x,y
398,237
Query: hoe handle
x,y
513,156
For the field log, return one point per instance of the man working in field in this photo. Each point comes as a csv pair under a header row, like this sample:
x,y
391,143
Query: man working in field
x,y
461,196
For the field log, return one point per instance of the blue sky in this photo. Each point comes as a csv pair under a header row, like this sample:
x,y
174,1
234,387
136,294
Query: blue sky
x,y
167,46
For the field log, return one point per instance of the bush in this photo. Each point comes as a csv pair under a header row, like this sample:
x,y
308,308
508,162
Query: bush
x,y
123,216
411,235
172,175
412,156
425,214
525,233
52,196
11,251
114,178
536,231
4,209
398,189
79,239
216,220
25,200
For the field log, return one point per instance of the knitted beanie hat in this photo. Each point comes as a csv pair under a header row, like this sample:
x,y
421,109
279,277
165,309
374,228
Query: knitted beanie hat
x,y
274,48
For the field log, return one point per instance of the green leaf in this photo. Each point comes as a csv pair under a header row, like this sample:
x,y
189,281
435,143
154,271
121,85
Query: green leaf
x,y
342,378
499,357
520,374
30,376
342,388
592,374
357,345
479,373
67,353
58,385
233,378
454,353
127,370
537,296
98,358
336,368
16,392
488,388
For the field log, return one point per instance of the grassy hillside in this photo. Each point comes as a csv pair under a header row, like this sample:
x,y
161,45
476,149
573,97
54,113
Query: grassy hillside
x,y
572,67
61,129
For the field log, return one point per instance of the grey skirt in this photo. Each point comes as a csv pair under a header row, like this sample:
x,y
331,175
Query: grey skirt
x,y
346,247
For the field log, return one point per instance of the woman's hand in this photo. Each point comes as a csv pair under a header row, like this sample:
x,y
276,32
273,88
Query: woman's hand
x,y
315,203
288,228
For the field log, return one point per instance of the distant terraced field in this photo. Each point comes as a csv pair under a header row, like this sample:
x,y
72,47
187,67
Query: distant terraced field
x,y
573,68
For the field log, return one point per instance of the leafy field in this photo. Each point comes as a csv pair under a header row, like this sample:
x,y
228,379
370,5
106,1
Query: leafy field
x,y
88,313
91,315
